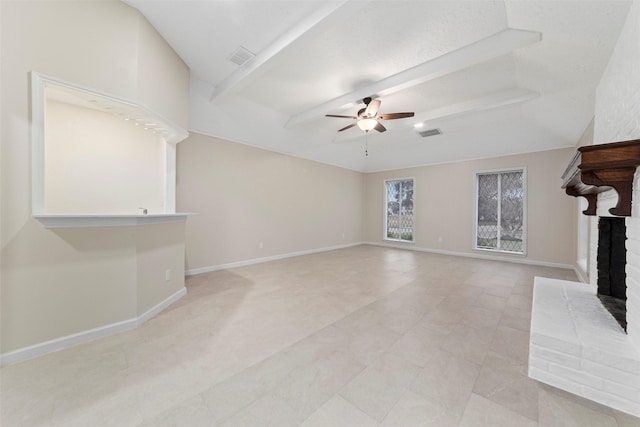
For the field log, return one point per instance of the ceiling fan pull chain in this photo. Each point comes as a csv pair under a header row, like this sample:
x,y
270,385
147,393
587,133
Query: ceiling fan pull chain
x,y
366,144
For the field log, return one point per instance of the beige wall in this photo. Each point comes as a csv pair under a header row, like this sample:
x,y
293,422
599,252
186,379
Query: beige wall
x,y
159,247
244,196
445,209
57,283
162,77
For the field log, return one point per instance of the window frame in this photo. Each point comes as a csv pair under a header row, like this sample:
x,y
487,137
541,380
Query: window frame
x,y
384,225
475,247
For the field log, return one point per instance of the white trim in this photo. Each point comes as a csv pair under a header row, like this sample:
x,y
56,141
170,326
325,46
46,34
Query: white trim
x,y
173,133
170,178
156,309
515,259
40,349
43,348
465,160
400,245
500,251
76,221
582,276
200,270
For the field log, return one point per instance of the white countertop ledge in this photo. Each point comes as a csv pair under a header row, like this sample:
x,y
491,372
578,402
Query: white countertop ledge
x,y
107,220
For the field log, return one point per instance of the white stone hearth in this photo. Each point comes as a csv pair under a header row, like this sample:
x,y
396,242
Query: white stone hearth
x,y
578,346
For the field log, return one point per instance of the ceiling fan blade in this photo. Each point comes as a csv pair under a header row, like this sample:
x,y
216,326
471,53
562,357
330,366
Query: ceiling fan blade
x,y
347,127
372,108
341,117
380,128
391,116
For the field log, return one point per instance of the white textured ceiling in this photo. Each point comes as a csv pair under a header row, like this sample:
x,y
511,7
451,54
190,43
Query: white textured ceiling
x,y
490,89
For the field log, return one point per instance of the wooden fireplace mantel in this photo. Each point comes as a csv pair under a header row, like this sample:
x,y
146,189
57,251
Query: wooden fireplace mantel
x,y
598,168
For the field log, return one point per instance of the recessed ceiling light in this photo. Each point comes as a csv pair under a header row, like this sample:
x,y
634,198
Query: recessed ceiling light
x,y
418,125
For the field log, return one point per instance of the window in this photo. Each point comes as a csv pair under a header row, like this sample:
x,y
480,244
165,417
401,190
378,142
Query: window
x,y
500,219
399,208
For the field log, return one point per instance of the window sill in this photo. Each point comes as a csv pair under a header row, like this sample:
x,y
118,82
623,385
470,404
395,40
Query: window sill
x,y
93,220
399,241
501,252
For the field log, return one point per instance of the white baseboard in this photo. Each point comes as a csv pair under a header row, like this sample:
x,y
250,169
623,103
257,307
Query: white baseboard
x,y
156,309
194,271
473,255
581,274
40,349
201,270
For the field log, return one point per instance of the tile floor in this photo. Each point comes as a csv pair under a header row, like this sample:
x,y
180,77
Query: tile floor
x,y
363,336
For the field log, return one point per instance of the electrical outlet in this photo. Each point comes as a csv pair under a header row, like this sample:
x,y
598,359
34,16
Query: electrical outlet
x,y
343,235
167,275
261,245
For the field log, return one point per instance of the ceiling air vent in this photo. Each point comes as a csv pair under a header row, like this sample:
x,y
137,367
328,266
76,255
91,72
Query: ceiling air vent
x,y
241,56
429,132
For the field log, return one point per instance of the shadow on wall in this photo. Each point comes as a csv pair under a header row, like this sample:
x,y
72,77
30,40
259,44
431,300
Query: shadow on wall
x,y
19,253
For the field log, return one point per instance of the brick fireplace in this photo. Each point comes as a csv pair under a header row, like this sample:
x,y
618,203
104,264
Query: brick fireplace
x,y
576,344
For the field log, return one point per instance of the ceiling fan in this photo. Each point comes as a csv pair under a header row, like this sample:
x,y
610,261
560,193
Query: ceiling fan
x,y
368,117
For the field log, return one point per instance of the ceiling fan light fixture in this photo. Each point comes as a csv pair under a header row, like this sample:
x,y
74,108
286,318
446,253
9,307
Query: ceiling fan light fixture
x,y
367,124
368,119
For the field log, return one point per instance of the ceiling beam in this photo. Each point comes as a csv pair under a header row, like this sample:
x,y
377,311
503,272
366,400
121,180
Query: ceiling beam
x,y
306,28
496,45
490,102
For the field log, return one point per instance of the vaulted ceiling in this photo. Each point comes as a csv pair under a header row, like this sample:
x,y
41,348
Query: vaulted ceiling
x,y
495,77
